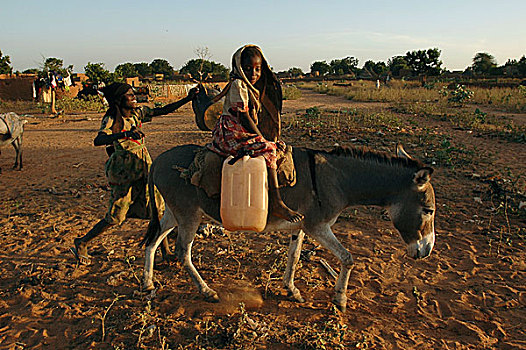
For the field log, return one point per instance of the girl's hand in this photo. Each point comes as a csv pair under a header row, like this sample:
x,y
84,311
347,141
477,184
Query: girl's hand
x,y
134,133
193,93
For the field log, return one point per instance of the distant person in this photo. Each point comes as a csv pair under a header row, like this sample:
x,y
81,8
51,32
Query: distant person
x,y
243,127
129,161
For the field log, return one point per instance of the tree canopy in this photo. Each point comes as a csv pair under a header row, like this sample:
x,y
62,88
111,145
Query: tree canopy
x,y
295,72
126,70
161,66
375,68
97,73
483,63
424,62
397,64
515,67
53,64
143,69
347,65
199,68
322,67
5,64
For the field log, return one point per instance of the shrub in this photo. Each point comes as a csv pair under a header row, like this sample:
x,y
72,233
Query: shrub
x,y
460,94
291,92
91,104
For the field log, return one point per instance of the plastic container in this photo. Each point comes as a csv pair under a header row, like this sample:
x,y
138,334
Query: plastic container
x,y
244,194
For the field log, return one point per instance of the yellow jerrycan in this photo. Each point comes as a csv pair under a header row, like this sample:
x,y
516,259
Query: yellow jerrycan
x,y
244,194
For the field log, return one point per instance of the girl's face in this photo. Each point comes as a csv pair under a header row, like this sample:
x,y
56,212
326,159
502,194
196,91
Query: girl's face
x,y
252,68
129,100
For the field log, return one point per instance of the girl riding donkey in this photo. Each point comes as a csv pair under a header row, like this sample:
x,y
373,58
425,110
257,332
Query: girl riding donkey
x,y
250,122
129,162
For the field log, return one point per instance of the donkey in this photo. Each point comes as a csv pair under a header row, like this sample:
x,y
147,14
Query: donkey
x,y
11,130
327,183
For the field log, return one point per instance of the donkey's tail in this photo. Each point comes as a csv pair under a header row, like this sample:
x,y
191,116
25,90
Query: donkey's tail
x,y
154,226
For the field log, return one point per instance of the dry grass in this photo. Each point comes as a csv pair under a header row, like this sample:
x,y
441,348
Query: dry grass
x,y
506,99
63,106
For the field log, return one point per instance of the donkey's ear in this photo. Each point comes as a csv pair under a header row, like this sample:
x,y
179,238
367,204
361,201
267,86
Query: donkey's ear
x,y
400,152
422,176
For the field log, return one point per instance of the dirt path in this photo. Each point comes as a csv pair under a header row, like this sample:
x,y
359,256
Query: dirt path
x,y
470,293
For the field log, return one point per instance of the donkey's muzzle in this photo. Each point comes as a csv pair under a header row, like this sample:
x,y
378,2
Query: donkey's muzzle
x,y
206,116
422,248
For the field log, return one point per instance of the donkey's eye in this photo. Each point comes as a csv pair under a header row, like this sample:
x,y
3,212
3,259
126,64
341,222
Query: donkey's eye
x,y
428,211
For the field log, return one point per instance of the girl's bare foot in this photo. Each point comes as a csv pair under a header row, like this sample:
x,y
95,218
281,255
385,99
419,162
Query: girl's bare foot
x,y
80,250
283,212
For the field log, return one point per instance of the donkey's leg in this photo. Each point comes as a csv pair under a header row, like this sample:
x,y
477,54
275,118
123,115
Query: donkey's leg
x,y
17,145
166,251
167,223
296,241
187,229
325,236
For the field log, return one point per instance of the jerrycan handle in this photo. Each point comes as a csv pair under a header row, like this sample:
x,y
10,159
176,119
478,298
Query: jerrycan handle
x,y
240,155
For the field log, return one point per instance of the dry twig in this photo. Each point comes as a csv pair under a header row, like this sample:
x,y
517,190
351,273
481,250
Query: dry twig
x,y
328,267
103,317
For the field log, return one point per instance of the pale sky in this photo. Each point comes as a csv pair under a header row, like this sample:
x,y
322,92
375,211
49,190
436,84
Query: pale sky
x,y
290,33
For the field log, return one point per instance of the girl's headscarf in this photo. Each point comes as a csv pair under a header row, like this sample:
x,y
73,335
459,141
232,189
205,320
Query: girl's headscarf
x,y
268,101
114,92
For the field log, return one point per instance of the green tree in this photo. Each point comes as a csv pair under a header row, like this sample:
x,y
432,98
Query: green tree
x,y
31,71
143,69
347,65
126,70
522,66
53,64
322,67
424,62
198,67
97,73
396,65
5,64
295,72
161,66
375,68
483,63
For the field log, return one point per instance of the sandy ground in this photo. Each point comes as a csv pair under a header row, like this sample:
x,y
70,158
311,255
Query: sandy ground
x,y
469,294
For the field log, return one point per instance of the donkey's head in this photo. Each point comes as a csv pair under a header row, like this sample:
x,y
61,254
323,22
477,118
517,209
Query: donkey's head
x,y
413,212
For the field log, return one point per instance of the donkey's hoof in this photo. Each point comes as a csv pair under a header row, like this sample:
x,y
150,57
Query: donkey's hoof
x,y
342,306
148,287
170,258
296,296
211,296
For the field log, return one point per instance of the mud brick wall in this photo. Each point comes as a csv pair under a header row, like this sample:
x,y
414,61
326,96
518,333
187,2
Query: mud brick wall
x,y
16,88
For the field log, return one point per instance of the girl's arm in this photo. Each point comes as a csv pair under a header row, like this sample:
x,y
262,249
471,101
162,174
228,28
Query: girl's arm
x,y
107,139
169,108
248,123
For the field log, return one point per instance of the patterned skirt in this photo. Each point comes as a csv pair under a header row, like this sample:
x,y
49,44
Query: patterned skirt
x,y
230,138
